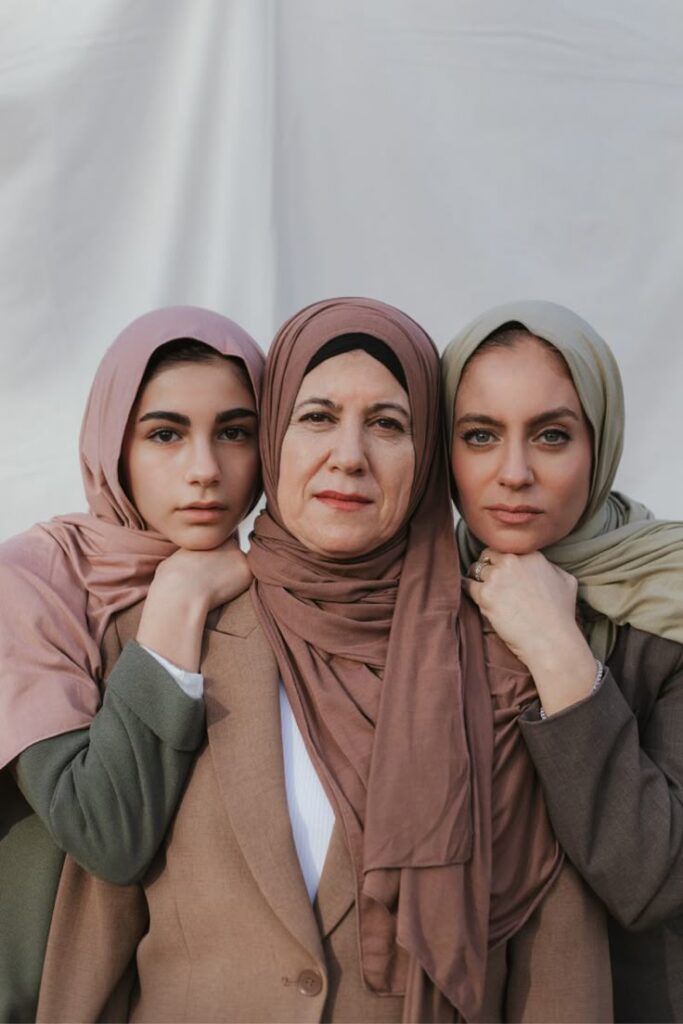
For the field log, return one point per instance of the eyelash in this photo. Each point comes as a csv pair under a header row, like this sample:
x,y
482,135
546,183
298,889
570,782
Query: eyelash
x,y
383,422
156,435
469,437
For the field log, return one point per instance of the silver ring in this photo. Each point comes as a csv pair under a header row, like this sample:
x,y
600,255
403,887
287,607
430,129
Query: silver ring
x,y
477,568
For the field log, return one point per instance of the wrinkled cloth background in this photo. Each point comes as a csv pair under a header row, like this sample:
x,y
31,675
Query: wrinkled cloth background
x,y
255,155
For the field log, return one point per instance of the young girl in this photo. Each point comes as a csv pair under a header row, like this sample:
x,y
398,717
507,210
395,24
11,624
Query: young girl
x,y
99,778
535,411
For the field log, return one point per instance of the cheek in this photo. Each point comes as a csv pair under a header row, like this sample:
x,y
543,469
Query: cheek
x,y
289,480
398,480
468,475
241,472
573,486
140,474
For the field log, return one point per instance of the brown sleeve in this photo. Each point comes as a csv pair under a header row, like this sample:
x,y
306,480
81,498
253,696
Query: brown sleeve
x,y
614,784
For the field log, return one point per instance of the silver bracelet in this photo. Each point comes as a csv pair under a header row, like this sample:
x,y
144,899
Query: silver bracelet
x,y
599,673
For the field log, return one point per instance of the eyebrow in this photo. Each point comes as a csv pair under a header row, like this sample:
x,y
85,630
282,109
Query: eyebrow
x,y
184,421
562,412
327,403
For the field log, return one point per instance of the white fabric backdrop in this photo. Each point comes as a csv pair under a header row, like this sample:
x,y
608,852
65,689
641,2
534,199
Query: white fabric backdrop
x,y
256,155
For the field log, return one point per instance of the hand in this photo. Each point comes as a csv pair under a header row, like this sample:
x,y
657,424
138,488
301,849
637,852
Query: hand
x,y
531,604
206,579
186,586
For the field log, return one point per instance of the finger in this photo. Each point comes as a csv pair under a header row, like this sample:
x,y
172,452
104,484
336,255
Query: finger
x,y
477,570
472,589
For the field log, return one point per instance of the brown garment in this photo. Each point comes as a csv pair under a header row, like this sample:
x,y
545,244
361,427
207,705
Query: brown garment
x,y
223,924
62,581
378,659
612,772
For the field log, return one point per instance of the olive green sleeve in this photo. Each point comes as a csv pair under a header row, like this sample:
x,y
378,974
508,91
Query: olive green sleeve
x,y
107,794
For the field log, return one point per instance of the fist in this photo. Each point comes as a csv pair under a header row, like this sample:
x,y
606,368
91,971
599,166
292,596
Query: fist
x,y
530,603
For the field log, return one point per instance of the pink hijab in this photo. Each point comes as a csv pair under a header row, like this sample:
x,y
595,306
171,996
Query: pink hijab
x,y
62,581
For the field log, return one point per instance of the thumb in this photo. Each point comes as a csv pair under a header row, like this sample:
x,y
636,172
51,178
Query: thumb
x,y
473,590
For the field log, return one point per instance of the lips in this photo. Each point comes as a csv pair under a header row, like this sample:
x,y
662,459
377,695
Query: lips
x,y
202,512
514,515
202,505
342,501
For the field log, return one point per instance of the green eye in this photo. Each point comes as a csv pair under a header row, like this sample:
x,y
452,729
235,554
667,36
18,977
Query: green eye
x,y
555,437
478,437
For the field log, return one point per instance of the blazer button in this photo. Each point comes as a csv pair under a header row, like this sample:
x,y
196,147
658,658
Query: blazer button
x,y
310,983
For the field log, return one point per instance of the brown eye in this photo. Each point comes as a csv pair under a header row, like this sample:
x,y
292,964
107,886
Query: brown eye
x,y
234,434
164,435
388,423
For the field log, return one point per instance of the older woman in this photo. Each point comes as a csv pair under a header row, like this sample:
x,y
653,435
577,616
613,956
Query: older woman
x,y
331,856
535,413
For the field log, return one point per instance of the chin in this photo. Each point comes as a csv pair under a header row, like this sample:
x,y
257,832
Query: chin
x,y
344,546
512,544
197,542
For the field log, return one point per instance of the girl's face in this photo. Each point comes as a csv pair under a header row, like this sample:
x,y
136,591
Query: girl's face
x,y
347,460
190,458
522,448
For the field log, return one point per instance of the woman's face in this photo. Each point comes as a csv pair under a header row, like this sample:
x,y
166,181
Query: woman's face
x,y
190,458
347,461
522,448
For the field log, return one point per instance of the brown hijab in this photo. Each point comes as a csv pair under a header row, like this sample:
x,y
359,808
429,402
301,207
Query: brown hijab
x,y
62,581
370,650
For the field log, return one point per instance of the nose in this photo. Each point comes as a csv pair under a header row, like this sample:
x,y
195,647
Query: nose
x,y
348,450
515,469
203,467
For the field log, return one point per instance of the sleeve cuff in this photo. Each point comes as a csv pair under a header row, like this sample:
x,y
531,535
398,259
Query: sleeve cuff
x,y
191,683
151,693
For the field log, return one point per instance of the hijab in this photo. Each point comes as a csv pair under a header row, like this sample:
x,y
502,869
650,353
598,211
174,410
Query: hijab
x,y
62,581
629,565
370,649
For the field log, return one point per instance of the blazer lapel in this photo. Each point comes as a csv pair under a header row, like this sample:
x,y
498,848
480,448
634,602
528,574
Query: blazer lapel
x,y
337,889
241,682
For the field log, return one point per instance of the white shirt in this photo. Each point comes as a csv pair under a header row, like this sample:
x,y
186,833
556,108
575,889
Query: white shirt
x,y
310,812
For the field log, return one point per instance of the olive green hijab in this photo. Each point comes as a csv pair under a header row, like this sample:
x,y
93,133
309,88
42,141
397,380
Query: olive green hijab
x,y
628,564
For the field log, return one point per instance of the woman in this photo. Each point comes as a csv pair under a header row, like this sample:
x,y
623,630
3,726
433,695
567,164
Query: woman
x,y
331,856
176,393
535,413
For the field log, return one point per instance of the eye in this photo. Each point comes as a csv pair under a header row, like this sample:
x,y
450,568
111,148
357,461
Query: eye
x,y
390,424
164,435
555,437
235,434
478,437
315,418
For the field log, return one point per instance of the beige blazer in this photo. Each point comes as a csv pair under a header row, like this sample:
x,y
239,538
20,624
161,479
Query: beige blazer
x,y
222,924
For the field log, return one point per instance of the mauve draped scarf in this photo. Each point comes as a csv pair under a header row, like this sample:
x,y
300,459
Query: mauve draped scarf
x,y
371,652
62,581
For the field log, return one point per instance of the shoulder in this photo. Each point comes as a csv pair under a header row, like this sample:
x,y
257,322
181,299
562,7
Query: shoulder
x,y
34,552
36,574
639,650
237,618
645,666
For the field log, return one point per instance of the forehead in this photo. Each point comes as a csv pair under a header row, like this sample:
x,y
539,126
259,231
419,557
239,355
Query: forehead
x,y
179,383
352,376
524,378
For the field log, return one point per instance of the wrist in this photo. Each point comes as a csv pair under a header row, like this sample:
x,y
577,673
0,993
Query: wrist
x,y
564,674
172,625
